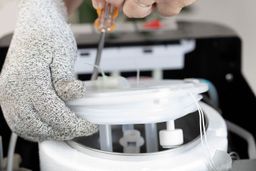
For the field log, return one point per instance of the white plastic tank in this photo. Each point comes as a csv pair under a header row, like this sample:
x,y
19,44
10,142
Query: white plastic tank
x,y
151,126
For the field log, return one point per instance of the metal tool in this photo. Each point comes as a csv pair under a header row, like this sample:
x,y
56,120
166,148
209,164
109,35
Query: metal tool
x,y
98,56
104,23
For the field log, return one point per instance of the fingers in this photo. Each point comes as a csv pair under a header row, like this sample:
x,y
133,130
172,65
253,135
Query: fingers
x,y
24,122
84,128
52,110
131,8
172,7
138,8
30,126
142,8
70,90
64,123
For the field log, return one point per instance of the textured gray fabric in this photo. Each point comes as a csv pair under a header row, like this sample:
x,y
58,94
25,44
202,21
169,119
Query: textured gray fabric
x,y
38,75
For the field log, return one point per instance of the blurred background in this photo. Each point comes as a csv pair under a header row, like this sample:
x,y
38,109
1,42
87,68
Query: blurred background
x,y
237,14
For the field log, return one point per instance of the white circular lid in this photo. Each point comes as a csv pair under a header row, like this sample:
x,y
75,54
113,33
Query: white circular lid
x,y
149,102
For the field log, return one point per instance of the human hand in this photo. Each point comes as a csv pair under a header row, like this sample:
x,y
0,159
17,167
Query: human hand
x,y
38,75
142,8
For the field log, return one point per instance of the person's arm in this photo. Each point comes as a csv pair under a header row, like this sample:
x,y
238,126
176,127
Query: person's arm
x,y
72,5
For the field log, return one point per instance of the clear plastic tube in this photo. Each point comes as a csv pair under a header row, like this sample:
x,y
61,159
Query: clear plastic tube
x,y
151,137
106,138
11,151
245,135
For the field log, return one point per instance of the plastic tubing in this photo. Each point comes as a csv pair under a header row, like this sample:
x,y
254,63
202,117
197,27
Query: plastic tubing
x,y
245,135
11,150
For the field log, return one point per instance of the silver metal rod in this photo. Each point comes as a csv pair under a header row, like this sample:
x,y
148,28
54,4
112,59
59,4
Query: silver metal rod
x,y
104,130
98,56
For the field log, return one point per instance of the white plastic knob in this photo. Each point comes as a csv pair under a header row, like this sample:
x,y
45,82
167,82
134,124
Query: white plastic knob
x,y
171,138
131,141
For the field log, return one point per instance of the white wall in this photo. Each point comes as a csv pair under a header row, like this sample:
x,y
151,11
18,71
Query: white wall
x,y
3,2
240,15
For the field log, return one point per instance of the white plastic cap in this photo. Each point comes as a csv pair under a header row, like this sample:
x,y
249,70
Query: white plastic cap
x,y
171,138
131,141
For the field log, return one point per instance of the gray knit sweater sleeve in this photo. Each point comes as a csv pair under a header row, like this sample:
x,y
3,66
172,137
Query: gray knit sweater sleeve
x,y
38,75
